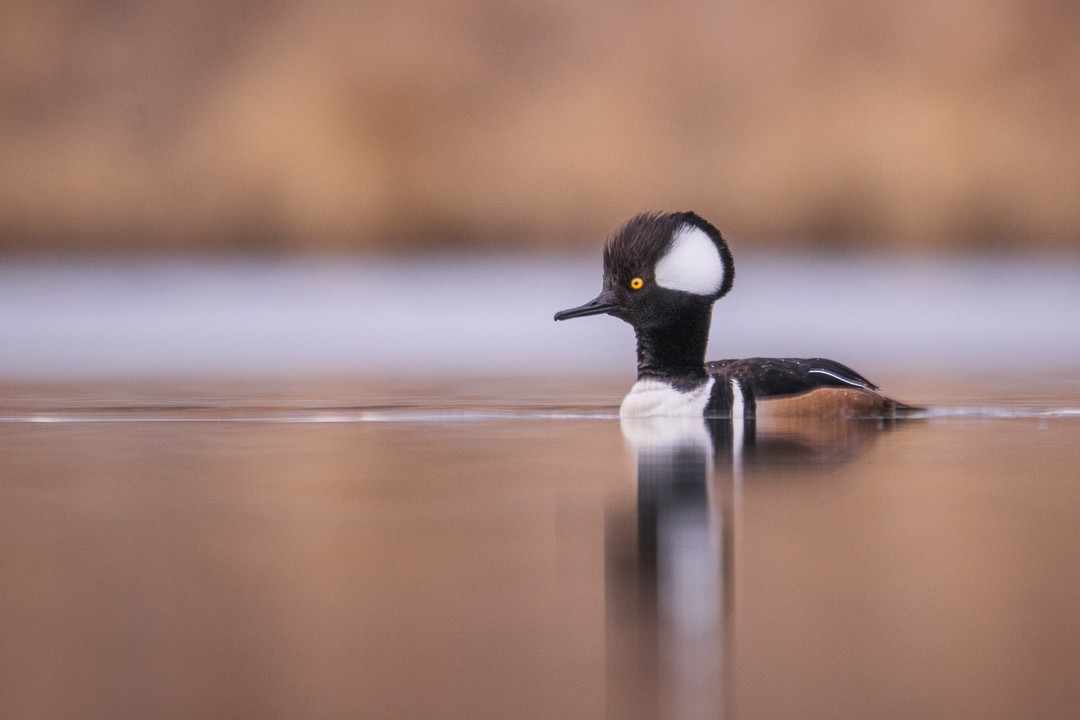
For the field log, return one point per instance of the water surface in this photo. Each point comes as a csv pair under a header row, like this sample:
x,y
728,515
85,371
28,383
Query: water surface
x,y
367,549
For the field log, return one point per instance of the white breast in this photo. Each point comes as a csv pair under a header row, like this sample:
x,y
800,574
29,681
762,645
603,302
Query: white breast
x,y
653,398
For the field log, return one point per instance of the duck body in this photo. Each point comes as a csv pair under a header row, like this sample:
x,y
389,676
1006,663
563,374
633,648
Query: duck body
x,y
662,274
753,388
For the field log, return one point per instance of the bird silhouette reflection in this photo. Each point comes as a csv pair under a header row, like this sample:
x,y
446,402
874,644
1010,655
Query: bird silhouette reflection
x,y
670,547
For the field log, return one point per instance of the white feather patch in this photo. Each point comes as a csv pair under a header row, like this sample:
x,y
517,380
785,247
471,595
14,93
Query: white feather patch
x,y
738,401
653,398
854,383
692,264
738,418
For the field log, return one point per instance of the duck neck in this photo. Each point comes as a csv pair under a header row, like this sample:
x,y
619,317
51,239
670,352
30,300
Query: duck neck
x,y
675,352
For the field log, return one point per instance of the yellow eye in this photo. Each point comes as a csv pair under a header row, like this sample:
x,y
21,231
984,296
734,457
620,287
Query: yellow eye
x,y
636,283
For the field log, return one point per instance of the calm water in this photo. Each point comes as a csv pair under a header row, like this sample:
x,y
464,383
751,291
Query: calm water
x,y
481,541
456,550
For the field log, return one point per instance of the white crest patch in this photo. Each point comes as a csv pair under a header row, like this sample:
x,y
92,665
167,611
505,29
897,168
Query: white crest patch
x,y
692,264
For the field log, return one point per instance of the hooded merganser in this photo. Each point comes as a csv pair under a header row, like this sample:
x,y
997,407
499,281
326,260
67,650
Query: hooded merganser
x,y
662,274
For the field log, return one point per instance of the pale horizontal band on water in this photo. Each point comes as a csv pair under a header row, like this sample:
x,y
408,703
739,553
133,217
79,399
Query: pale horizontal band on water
x,y
477,315
422,414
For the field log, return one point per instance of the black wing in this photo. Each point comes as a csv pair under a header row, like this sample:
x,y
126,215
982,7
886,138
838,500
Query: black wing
x,y
768,377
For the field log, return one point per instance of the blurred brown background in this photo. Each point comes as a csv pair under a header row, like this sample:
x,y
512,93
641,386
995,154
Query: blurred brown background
x,y
322,125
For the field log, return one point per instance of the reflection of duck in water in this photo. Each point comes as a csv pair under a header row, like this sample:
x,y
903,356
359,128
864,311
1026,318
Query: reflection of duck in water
x,y
662,274
667,559
688,471
670,547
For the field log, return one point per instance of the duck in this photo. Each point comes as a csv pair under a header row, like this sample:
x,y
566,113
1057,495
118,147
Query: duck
x,y
662,274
